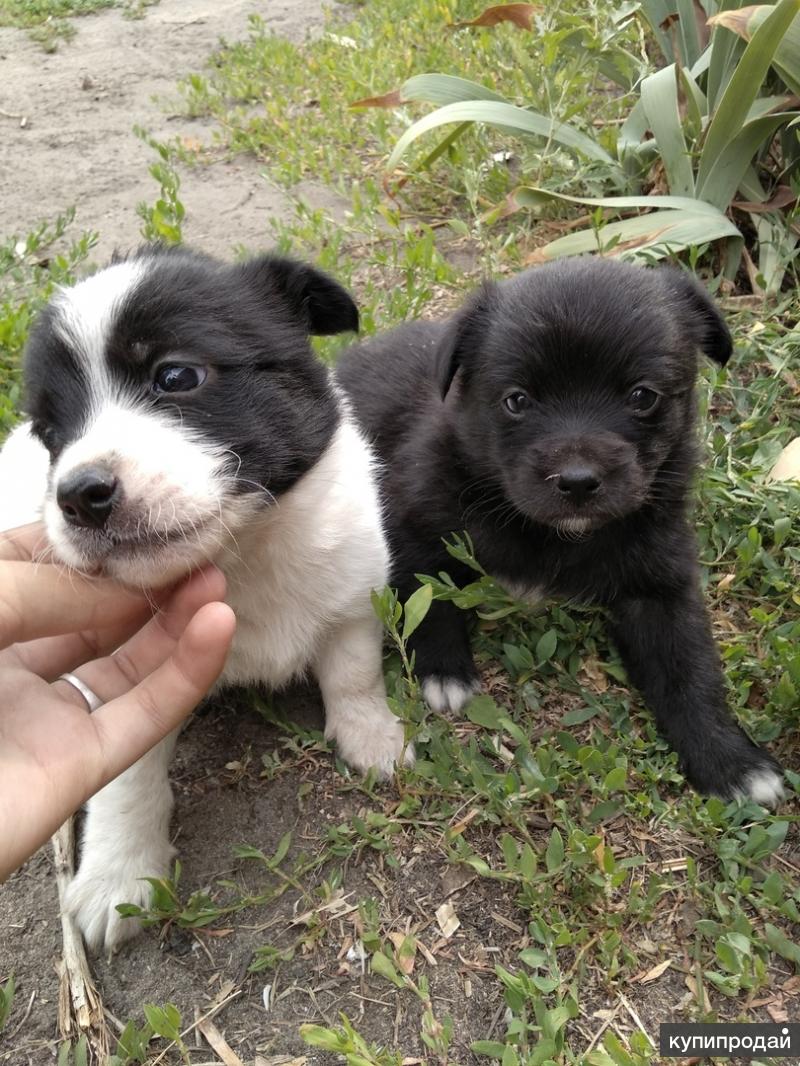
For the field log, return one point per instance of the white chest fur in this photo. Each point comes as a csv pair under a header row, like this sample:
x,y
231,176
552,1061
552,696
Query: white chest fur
x,y
306,564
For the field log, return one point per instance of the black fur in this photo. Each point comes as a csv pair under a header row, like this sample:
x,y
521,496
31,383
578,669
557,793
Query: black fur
x,y
577,337
267,399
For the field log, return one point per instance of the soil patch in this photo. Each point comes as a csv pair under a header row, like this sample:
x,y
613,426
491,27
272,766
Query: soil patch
x,y
66,124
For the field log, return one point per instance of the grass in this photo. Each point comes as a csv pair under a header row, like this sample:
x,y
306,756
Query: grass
x,y
48,21
596,895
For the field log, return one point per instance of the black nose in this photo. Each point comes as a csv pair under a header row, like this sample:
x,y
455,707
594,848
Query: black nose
x,y
86,496
578,483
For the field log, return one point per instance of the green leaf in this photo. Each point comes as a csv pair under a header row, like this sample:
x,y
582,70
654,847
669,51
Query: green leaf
x,y
615,779
531,196
516,120
164,1021
657,12
554,856
781,944
6,1000
582,714
660,233
660,102
317,1036
746,21
689,31
281,851
416,607
445,89
527,862
133,1042
728,170
385,968
508,846
81,1057
510,1057
731,113
482,710
546,646
725,48
493,1049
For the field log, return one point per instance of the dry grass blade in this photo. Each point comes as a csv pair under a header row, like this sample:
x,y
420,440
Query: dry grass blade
x,y
390,99
80,1008
520,15
218,1042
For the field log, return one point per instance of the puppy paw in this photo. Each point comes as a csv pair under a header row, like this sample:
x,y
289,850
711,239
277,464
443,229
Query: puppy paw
x,y
98,887
764,785
369,737
451,694
739,770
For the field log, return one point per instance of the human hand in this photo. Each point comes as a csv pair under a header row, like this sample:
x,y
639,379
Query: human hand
x,y
53,753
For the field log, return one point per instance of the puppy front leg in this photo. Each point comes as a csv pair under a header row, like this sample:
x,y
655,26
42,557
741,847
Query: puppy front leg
x,y
670,655
350,674
125,838
442,658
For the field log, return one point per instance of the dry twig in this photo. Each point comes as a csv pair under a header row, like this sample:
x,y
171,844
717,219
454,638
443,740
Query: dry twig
x,y
80,1008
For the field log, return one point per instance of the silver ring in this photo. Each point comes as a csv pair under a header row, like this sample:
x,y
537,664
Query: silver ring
x,y
93,701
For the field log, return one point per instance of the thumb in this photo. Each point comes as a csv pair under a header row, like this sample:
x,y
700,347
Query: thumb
x,y
130,725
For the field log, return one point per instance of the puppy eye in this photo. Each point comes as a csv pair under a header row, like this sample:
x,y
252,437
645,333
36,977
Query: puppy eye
x,y
172,377
516,402
643,401
48,436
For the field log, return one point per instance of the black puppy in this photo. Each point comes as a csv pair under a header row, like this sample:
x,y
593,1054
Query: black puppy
x,y
553,419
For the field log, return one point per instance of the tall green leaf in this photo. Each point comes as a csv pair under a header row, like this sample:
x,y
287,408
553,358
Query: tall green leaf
x,y
724,51
691,45
743,87
733,162
506,116
529,196
679,223
745,21
657,12
660,102
446,89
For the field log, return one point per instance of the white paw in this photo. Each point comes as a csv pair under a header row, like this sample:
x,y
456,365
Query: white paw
x,y
98,887
368,736
764,786
448,693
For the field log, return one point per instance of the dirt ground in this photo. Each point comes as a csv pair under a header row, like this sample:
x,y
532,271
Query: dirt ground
x,y
66,123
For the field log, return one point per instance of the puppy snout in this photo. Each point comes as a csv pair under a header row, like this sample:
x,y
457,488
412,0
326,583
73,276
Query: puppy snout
x,y
578,483
87,496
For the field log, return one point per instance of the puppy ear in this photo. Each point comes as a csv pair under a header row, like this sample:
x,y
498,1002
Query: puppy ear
x,y
465,334
319,302
708,327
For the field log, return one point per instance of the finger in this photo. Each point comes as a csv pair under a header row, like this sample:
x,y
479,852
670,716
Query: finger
x,y
51,656
132,724
148,648
45,601
25,543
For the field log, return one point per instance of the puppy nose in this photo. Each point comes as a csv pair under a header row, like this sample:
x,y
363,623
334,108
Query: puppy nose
x,y
86,496
578,483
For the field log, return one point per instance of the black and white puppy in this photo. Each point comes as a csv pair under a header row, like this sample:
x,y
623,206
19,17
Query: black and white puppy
x,y
553,419
178,415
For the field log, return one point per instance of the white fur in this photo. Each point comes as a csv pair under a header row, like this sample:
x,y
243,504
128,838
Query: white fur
x,y
444,694
87,313
765,787
532,594
300,572
24,471
118,850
